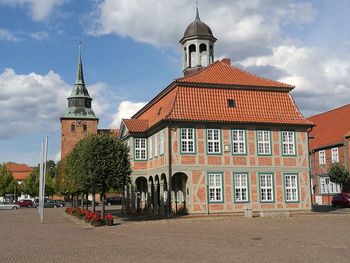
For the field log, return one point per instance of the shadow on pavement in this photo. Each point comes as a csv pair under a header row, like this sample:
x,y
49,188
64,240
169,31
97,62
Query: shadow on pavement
x,y
329,208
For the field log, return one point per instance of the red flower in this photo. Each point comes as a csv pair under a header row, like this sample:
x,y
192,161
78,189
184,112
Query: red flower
x,y
109,217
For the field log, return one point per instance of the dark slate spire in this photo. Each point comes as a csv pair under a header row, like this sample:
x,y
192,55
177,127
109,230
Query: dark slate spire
x,y
79,90
80,75
79,100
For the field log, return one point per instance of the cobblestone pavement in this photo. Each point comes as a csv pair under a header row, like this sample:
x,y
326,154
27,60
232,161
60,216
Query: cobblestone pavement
x,y
321,237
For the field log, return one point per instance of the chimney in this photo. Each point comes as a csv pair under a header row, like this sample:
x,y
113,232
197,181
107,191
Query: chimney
x,y
226,61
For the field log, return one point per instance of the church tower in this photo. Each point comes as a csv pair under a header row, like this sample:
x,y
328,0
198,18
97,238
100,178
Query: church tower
x,y
198,46
79,119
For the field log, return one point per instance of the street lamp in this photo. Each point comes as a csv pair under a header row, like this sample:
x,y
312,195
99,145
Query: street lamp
x,y
327,184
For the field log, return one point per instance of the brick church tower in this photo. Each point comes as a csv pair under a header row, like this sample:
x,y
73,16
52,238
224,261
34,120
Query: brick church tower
x,y
79,119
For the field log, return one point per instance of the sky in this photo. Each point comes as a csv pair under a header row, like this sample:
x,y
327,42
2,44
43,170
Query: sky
x,y
131,52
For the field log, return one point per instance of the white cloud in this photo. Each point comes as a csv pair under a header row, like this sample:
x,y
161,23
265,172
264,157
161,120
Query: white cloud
x,y
34,103
39,35
126,110
242,27
102,99
38,9
58,157
321,78
8,36
30,102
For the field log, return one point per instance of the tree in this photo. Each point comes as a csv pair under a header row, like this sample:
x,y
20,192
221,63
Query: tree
x,y
6,180
31,183
69,173
338,174
99,163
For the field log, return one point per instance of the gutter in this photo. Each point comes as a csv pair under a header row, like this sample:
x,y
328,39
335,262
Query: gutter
x,y
310,170
169,169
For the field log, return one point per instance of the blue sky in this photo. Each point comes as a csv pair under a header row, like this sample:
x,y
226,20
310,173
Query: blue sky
x,y
131,52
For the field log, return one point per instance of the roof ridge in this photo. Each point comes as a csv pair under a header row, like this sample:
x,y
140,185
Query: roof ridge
x,y
199,71
297,109
328,111
270,83
173,106
256,76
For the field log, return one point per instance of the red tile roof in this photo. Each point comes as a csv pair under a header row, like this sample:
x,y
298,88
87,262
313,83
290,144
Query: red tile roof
x,y
221,73
136,125
209,104
114,132
331,127
198,98
19,171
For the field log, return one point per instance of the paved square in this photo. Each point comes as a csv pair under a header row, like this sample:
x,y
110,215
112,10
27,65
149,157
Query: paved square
x,y
312,238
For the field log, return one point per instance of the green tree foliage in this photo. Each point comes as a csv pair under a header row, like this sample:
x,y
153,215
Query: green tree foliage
x,y
98,164
51,169
6,181
31,183
338,174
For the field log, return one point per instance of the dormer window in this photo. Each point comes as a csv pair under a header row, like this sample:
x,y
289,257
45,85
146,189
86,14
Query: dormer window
x,y
231,103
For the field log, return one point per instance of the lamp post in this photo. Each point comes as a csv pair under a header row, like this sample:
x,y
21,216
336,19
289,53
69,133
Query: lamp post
x,y
327,184
14,193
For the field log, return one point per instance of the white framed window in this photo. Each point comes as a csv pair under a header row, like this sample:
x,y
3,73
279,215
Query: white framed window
x,y
215,187
161,143
335,155
213,141
322,157
288,143
156,145
238,142
150,147
187,140
140,149
241,187
266,188
291,187
328,187
264,144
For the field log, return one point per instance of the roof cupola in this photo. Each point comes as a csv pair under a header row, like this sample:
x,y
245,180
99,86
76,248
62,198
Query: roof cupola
x,y
198,46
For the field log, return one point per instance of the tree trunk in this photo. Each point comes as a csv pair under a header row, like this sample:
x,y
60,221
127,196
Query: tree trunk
x,y
82,201
71,200
93,203
87,199
75,201
103,205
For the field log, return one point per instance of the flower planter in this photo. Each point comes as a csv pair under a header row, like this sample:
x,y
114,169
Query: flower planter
x,y
109,222
87,220
96,223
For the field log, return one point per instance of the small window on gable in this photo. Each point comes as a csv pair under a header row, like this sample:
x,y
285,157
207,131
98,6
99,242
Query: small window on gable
x,y
85,127
72,127
231,103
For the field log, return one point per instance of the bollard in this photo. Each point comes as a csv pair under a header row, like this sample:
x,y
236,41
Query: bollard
x,y
248,213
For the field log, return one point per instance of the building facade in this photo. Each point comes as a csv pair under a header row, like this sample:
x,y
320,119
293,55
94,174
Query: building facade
x,y
329,144
218,140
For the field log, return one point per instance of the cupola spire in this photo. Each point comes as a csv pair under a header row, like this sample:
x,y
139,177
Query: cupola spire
x,y
197,12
